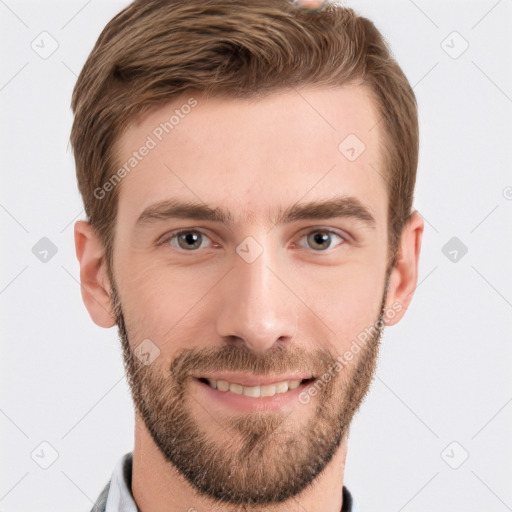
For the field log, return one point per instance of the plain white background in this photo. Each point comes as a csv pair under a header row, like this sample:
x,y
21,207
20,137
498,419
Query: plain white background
x,y
434,432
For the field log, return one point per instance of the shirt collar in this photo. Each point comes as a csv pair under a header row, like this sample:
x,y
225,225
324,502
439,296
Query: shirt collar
x,y
120,497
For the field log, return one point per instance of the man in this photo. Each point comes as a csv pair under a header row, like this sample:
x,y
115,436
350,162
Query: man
x,y
248,171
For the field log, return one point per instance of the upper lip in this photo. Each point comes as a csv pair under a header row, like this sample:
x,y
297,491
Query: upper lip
x,y
250,379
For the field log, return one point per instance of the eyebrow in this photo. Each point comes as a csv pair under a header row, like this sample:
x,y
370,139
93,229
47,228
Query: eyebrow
x,y
340,206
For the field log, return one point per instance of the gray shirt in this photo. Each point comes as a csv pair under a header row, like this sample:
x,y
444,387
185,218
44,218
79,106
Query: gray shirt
x,y
117,495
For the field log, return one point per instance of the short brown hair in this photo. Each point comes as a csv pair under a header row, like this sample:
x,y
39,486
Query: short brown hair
x,y
155,50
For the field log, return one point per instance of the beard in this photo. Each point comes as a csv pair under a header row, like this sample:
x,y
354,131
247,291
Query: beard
x,y
258,458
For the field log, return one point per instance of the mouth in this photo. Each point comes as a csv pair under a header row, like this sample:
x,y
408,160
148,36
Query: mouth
x,y
268,389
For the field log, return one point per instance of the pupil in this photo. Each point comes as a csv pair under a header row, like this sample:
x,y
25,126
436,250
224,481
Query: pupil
x,y
189,238
322,239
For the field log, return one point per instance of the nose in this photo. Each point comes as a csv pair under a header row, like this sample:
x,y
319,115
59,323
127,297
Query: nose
x,y
256,306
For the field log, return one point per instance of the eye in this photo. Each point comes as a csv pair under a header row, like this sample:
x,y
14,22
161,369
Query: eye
x,y
192,239
187,239
322,239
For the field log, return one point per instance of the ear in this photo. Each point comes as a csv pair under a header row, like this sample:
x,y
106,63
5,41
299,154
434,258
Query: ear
x,y
94,282
404,275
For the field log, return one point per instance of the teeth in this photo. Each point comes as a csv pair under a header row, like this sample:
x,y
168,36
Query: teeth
x,y
222,385
269,390
281,387
236,388
254,391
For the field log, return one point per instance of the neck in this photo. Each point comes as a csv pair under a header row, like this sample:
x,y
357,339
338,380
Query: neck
x,y
158,487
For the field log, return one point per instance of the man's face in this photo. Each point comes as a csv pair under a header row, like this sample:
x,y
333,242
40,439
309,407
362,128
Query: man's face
x,y
256,298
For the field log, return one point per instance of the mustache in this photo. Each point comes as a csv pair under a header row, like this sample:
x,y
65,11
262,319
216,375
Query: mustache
x,y
237,358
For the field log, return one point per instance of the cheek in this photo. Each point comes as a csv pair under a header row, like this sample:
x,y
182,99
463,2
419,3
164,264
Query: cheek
x,y
159,301
347,299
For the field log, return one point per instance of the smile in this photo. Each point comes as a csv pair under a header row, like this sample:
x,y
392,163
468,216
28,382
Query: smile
x,y
254,391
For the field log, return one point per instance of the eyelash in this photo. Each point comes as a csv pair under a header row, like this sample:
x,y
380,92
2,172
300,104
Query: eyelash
x,y
170,236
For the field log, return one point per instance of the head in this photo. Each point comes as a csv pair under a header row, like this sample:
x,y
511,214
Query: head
x,y
247,171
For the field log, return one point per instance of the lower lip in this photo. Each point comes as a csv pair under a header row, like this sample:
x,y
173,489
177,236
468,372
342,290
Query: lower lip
x,y
242,403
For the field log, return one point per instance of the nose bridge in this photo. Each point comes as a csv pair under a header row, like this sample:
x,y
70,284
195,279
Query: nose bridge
x,y
256,308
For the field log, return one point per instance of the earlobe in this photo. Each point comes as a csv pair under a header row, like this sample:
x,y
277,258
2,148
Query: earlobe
x,y
404,275
94,282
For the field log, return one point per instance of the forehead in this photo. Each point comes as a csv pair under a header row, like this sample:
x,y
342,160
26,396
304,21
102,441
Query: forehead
x,y
253,156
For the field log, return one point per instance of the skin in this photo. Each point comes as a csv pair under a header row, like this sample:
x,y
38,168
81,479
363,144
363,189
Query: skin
x,y
295,306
